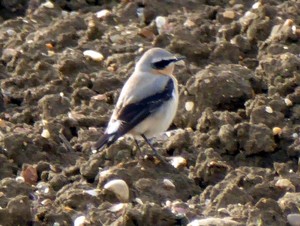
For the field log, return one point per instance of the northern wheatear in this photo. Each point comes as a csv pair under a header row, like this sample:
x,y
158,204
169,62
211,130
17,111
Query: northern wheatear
x,y
148,101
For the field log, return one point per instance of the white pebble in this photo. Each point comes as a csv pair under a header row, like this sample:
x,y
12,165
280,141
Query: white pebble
x,y
79,221
139,201
117,207
92,192
256,5
160,22
294,219
103,13
288,102
269,109
11,32
46,133
20,179
189,105
94,55
178,161
189,23
120,188
48,5
168,184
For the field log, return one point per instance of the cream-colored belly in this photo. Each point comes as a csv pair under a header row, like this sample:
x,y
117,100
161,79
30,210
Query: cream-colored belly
x,y
159,121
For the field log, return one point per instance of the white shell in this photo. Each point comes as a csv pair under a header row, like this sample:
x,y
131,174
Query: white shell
x,y
94,55
120,188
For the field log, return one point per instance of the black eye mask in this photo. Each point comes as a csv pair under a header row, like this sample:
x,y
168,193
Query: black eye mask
x,y
164,63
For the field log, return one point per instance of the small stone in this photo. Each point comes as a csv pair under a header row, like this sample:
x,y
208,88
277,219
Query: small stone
x,y
189,106
189,23
294,219
117,207
48,5
11,32
20,179
269,109
46,202
168,184
92,192
285,184
288,102
103,13
229,14
178,161
147,33
161,23
120,188
277,131
256,5
46,133
94,55
79,221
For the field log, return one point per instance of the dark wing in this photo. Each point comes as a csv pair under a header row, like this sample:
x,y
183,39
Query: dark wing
x,y
132,114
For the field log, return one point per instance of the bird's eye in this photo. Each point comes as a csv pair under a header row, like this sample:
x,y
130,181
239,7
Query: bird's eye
x,y
162,64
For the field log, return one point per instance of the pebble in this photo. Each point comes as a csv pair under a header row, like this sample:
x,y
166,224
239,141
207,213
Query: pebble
x,y
94,55
160,22
294,219
277,131
285,184
20,179
79,221
189,23
48,5
46,133
103,13
11,32
178,161
288,102
269,109
120,188
229,14
168,184
189,105
117,207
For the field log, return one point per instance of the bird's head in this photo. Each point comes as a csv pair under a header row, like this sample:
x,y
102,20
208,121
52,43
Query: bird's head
x,y
158,60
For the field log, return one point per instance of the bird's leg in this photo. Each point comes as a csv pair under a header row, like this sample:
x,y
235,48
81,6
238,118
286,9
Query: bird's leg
x,y
138,147
153,149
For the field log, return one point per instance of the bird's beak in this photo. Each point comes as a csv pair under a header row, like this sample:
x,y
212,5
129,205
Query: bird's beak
x,y
179,60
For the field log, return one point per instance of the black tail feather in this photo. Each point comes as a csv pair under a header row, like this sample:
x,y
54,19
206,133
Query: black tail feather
x,y
106,139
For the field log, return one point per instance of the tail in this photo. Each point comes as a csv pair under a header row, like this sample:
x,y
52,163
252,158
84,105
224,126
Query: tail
x,y
106,139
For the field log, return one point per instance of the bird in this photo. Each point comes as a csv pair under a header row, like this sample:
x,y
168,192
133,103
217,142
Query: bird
x,y
148,100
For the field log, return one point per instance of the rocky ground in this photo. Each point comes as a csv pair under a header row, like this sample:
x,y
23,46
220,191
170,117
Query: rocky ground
x,y
233,147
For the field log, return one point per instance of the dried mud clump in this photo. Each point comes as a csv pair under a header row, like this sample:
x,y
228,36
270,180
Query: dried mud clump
x,y
233,148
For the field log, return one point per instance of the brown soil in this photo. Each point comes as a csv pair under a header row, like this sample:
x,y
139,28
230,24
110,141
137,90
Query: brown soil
x,y
237,126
